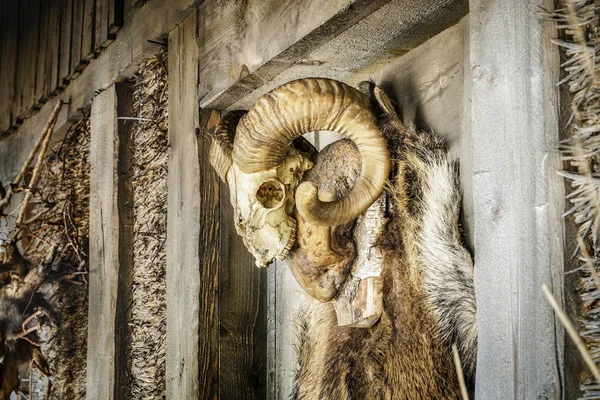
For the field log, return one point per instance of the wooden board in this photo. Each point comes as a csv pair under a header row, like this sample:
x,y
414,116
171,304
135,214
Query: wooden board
x,y
76,38
518,199
242,314
376,34
183,220
66,27
8,62
239,42
210,263
104,247
41,72
87,36
115,17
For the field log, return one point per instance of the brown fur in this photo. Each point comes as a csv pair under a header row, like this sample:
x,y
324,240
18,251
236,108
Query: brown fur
x,y
428,293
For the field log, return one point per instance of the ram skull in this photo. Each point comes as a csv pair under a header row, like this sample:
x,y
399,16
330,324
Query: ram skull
x,y
253,153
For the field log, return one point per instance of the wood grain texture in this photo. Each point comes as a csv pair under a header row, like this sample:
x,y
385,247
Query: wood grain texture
x,y
76,37
242,314
41,72
88,35
183,221
8,62
210,262
242,44
115,17
126,239
380,36
519,199
66,28
104,247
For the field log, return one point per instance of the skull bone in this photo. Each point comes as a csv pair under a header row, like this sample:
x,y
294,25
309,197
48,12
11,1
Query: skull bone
x,y
263,204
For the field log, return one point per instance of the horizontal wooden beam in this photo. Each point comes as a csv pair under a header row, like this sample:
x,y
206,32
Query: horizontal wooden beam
x,y
246,51
141,36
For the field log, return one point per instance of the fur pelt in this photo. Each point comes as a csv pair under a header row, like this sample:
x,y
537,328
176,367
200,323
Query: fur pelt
x,y
428,292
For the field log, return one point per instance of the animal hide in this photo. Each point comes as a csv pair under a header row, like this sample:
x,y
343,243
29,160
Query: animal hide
x,y
428,292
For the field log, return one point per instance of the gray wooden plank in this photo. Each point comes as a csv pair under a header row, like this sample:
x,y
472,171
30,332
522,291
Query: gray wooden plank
x,y
375,35
519,199
115,16
76,38
66,29
8,62
183,221
238,40
40,81
87,36
101,36
104,246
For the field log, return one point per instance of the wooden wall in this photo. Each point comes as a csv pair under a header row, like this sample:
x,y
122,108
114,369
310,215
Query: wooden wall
x,y
44,45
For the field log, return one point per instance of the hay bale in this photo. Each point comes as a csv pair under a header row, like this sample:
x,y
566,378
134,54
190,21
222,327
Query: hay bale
x,y
146,358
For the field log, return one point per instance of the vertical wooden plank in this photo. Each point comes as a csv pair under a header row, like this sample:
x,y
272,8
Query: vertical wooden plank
x,y
183,221
126,226
55,48
41,72
29,39
519,199
115,16
8,62
76,36
210,263
104,246
101,25
21,17
66,27
242,314
87,36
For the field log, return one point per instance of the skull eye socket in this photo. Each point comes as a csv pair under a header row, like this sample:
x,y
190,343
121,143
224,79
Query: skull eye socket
x,y
271,193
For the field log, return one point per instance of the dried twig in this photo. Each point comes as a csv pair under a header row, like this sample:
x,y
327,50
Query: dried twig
x,y
572,331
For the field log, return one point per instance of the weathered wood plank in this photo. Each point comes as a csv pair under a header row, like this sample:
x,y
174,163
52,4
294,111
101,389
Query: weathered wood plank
x,y
55,47
115,16
8,62
105,236
76,38
126,239
239,42
389,31
87,36
210,263
101,36
29,19
41,72
183,221
242,309
519,199
66,28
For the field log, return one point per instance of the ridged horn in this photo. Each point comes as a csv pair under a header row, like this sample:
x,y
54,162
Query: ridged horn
x,y
265,133
221,145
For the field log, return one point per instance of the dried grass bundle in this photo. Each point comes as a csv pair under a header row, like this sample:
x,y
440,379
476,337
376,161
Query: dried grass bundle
x,y
581,151
148,310
59,216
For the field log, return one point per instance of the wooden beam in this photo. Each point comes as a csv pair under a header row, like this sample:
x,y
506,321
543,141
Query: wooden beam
x,y
183,220
104,247
245,51
9,26
518,199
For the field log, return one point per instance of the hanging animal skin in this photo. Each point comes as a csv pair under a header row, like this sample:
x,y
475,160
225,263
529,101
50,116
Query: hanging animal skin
x,y
391,261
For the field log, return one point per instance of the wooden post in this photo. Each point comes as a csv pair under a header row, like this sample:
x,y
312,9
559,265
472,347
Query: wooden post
x,y
518,199
110,258
183,220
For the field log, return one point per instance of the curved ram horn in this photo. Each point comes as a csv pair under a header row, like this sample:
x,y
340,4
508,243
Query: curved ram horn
x,y
222,143
264,136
